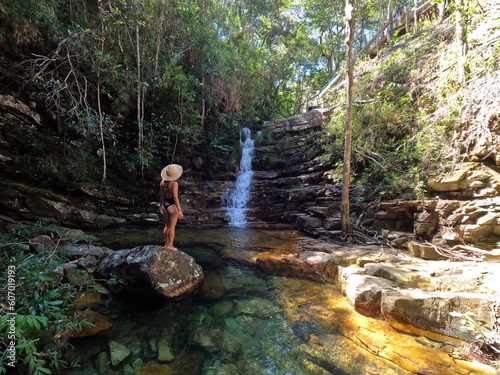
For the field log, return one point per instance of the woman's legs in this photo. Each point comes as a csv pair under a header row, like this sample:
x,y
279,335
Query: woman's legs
x,y
166,230
170,223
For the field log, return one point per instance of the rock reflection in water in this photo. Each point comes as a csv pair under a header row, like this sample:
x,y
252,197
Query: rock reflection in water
x,y
234,326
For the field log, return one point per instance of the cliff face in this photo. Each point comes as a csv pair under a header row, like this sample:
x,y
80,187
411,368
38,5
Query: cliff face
x,y
299,188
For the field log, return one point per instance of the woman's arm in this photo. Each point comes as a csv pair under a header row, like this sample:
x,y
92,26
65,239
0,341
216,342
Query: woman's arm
x,y
162,198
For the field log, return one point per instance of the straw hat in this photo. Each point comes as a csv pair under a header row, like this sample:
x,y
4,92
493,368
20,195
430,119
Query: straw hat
x,y
171,172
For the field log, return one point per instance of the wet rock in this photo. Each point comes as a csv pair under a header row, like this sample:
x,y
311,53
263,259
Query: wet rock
x,y
189,363
165,350
128,369
118,352
257,306
101,363
238,281
222,309
87,299
151,347
311,264
376,346
309,223
136,348
68,233
319,211
100,323
242,257
213,287
231,323
209,339
228,369
137,364
167,273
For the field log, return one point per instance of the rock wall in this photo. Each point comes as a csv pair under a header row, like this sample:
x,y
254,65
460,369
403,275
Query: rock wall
x,y
461,208
291,183
37,182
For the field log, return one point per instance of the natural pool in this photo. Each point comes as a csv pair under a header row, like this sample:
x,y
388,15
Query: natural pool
x,y
237,326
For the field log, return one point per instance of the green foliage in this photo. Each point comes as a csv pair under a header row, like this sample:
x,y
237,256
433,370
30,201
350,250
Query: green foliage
x,y
224,147
19,12
265,137
269,158
394,152
40,303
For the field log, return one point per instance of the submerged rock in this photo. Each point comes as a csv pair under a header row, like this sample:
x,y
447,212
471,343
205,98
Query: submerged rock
x,y
165,350
118,352
209,339
99,323
155,368
152,269
213,288
257,306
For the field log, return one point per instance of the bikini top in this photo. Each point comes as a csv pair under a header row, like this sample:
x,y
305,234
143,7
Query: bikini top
x,y
167,191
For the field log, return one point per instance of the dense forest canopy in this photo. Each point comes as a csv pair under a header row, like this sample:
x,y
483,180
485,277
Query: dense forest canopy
x,y
149,80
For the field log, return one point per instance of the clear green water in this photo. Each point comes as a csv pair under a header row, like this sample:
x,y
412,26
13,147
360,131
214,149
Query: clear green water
x,y
240,329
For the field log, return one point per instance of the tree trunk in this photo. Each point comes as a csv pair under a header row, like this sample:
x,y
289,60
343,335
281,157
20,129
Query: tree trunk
x,y
346,221
99,105
461,38
140,140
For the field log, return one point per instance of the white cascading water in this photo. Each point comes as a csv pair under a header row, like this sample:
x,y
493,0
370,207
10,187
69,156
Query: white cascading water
x,y
235,199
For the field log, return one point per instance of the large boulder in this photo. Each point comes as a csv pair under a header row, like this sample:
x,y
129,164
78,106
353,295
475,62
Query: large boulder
x,y
152,269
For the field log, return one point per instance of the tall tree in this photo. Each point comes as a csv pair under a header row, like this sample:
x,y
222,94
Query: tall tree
x,y
461,16
345,207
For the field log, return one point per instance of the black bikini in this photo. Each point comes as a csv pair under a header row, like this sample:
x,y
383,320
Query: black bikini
x,y
168,202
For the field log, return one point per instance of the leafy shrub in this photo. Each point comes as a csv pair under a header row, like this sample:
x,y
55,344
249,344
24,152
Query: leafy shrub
x,y
38,305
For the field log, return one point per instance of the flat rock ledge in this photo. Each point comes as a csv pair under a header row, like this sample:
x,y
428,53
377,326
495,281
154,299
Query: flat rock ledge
x,y
153,269
419,297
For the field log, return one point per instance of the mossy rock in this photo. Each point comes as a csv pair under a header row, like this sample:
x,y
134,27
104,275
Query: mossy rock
x,y
76,276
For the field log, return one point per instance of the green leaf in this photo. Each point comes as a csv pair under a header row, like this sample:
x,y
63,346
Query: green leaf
x,y
44,370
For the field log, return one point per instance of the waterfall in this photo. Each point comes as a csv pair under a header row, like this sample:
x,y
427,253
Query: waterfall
x,y
235,199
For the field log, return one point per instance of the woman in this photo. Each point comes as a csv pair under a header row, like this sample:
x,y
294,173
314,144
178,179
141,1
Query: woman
x,y
170,206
